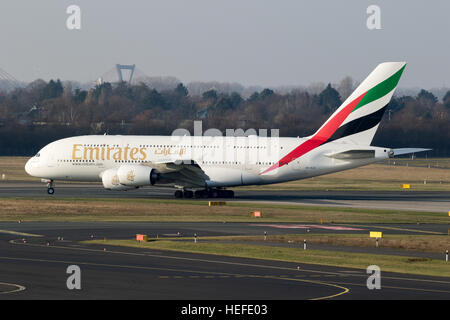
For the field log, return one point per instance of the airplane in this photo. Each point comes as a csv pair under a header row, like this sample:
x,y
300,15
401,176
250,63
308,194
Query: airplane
x,y
203,167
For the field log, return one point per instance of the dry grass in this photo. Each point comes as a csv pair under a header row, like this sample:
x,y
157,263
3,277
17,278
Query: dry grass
x,y
421,162
427,243
184,210
72,210
13,168
334,258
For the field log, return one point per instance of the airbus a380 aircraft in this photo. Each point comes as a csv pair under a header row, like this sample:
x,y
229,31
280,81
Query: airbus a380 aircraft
x,y
211,164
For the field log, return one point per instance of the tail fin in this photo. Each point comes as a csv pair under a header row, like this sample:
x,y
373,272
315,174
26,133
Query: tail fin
x,y
357,119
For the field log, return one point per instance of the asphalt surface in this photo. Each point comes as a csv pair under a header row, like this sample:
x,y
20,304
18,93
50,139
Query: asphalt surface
x,y
33,262
399,200
36,268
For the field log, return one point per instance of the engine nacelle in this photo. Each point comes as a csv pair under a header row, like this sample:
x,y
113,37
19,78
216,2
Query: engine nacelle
x,y
111,181
137,175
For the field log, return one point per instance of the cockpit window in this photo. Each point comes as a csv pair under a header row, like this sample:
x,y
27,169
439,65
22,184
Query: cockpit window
x,y
38,155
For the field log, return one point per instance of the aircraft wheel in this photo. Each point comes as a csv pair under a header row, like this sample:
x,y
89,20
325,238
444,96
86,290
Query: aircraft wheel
x,y
229,194
199,194
50,190
205,194
222,193
178,194
213,193
188,194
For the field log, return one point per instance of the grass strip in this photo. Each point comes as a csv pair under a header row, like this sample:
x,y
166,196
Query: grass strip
x,y
424,243
387,263
104,209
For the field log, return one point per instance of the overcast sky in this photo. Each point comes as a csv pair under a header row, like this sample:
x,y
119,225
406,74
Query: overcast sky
x,y
253,42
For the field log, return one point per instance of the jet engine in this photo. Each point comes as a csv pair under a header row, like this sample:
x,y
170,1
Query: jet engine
x,y
137,175
111,181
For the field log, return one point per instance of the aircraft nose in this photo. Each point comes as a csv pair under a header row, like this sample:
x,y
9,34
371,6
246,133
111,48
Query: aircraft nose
x,y
28,167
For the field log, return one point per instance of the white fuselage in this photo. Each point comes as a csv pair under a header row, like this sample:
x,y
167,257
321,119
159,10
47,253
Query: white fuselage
x,y
227,161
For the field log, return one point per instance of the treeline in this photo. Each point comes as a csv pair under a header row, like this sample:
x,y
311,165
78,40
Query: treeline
x,y
42,112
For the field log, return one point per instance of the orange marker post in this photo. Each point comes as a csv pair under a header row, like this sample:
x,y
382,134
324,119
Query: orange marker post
x,y
141,237
257,214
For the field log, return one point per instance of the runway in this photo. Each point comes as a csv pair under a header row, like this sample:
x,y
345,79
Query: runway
x,y
36,268
391,200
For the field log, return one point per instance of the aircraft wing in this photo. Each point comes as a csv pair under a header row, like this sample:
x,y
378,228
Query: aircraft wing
x,y
185,173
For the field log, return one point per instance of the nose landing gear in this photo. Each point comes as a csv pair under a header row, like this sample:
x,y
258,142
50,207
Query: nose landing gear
x,y
50,185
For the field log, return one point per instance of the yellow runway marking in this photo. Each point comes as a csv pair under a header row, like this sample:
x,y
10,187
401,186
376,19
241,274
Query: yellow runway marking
x,y
282,277
16,287
393,287
345,290
337,283
17,233
329,283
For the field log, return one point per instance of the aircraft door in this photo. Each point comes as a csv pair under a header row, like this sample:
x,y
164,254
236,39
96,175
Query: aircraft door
x,y
51,156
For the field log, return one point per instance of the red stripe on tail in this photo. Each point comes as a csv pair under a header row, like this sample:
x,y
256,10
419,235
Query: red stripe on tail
x,y
321,136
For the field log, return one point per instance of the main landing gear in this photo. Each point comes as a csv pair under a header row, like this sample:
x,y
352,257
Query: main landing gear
x,y
204,194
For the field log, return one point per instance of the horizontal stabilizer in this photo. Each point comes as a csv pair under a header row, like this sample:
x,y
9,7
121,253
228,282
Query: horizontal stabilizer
x,y
398,152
